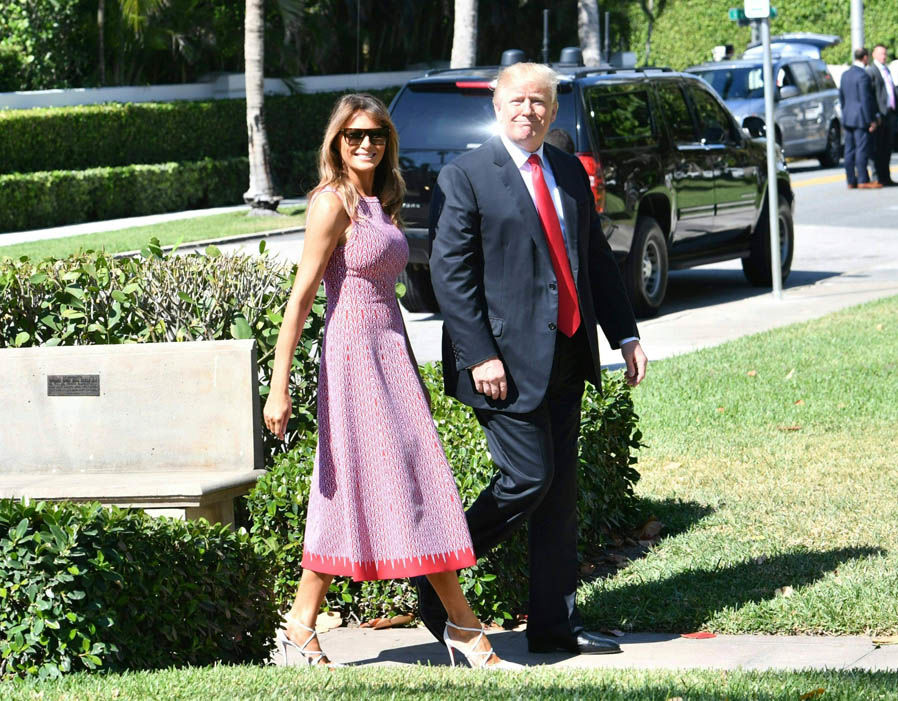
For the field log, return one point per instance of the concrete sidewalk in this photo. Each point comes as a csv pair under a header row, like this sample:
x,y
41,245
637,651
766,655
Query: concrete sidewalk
x,y
405,646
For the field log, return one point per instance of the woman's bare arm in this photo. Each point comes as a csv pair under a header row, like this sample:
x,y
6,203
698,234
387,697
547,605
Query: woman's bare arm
x,y
326,223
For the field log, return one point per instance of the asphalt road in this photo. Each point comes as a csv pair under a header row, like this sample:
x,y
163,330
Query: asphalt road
x,y
846,252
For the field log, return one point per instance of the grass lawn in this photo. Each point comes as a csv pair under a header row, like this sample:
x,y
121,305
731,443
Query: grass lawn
x,y
420,683
772,463
184,230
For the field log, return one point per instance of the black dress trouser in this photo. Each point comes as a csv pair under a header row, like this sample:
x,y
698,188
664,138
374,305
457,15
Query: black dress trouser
x,y
536,457
882,147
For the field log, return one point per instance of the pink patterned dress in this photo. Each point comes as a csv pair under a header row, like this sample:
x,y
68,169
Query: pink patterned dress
x,y
383,500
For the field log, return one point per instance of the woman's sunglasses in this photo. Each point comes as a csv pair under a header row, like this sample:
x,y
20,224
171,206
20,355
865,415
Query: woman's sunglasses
x,y
354,137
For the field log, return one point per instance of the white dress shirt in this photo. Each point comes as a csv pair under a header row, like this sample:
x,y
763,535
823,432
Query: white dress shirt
x,y
520,156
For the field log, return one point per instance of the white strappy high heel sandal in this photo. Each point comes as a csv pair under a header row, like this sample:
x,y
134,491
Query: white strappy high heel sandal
x,y
477,659
310,658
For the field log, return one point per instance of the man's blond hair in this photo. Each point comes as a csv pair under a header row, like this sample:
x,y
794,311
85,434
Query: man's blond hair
x,y
538,72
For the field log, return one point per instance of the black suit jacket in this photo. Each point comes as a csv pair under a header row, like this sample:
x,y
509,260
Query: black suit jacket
x,y
881,92
494,280
856,96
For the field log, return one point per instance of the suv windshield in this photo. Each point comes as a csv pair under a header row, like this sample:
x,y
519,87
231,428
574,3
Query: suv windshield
x,y
732,83
442,116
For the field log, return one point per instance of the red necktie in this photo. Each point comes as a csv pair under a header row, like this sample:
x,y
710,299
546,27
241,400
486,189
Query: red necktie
x,y
568,310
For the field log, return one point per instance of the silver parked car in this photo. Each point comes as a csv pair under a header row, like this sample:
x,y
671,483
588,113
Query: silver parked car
x,y
807,111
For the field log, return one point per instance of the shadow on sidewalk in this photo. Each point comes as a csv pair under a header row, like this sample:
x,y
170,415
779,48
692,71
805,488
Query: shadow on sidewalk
x,y
509,645
705,287
686,601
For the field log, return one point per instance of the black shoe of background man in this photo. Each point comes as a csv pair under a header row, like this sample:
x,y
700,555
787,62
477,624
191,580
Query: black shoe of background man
x,y
581,642
430,608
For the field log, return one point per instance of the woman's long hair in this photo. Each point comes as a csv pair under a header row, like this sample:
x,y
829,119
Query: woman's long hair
x,y
389,186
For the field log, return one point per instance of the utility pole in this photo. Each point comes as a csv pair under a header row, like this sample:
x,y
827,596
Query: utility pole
x,y
759,12
857,25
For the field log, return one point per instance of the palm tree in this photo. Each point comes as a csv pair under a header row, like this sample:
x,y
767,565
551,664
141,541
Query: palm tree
x,y
135,13
260,195
588,29
464,35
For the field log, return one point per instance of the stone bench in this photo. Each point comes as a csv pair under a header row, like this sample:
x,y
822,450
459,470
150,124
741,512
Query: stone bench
x,y
173,428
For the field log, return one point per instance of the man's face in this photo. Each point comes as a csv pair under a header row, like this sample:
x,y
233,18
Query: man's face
x,y
880,54
525,112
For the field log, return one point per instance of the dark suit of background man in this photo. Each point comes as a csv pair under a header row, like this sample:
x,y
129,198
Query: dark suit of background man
x,y
523,274
884,88
859,120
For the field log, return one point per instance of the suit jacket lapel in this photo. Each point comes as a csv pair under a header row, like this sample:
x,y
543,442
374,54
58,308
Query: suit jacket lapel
x,y
520,197
569,205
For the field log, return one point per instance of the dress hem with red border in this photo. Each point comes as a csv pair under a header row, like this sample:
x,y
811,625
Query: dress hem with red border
x,y
399,568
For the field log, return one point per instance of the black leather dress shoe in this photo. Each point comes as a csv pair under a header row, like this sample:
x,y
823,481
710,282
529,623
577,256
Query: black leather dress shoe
x,y
430,609
582,642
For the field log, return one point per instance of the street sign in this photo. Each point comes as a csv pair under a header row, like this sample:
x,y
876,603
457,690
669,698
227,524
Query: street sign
x,y
736,14
757,9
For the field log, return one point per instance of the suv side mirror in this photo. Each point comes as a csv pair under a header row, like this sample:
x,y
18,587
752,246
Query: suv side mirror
x,y
755,127
788,91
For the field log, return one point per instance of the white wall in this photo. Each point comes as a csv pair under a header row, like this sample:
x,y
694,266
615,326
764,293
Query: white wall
x,y
228,85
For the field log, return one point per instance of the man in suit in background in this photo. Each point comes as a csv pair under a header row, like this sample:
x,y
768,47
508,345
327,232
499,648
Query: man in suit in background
x,y
859,120
884,88
523,275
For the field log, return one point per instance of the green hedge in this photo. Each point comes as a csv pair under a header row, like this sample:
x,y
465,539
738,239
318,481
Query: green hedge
x,y
497,587
54,198
707,25
85,587
94,298
76,138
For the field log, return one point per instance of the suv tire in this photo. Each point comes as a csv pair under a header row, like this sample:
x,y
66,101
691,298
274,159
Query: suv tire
x,y
419,296
645,269
832,154
756,265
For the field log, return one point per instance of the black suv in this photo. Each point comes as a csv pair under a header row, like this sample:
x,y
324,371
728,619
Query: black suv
x,y
676,181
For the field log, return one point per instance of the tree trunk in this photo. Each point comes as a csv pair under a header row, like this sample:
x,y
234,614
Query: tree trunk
x,y
464,35
588,29
101,27
260,195
648,7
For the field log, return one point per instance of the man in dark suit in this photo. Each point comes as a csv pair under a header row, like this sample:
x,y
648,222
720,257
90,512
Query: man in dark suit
x,y
884,88
523,275
859,120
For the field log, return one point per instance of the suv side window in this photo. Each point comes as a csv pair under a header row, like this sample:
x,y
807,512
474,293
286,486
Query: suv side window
x,y
715,125
804,77
672,103
821,72
621,115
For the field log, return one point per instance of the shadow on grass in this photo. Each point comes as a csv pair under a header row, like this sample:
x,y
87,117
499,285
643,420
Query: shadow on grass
x,y
686,601
677,516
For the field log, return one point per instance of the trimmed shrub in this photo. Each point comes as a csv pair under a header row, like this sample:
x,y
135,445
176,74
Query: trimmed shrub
x,y
95,298
85,587
115,134
497,587
53,198
708,25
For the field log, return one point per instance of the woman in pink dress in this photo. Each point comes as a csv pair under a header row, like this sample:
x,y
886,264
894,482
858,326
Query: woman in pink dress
x,y
383,500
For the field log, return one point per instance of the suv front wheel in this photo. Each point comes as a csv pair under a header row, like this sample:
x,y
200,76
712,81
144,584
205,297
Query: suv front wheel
x,y
832,154
645,270
419,296
756,265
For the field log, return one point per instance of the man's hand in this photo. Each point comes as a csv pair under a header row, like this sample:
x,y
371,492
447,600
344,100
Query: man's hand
x,y
873,126
489,378
636,362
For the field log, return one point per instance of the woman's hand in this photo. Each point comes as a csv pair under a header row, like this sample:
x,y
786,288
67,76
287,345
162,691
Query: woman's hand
x,y
277,413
